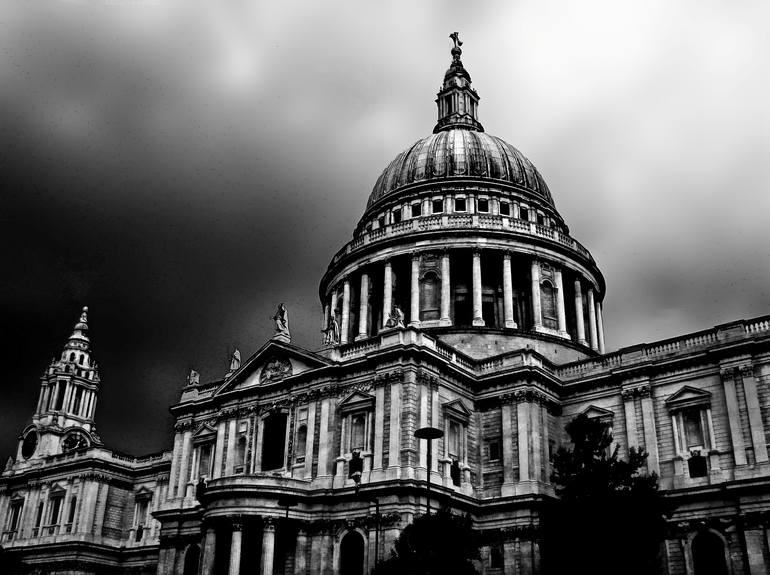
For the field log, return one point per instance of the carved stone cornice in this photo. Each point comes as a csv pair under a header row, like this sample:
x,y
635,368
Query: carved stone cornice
x,y
513,532
427,379
747,370
394,375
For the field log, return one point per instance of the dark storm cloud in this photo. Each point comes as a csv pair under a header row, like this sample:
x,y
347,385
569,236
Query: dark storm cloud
x,y
182,170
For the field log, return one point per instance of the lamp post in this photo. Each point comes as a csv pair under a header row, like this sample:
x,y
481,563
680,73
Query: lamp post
x,y
287,501
429,433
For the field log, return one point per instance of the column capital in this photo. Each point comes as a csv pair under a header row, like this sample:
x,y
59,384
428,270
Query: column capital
x,y
477,251
415,255
268,523
237,522
507,254
746,370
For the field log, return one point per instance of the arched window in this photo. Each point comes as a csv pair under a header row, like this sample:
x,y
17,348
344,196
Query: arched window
x,y
708,554
72,356
352,554
191,560
548,305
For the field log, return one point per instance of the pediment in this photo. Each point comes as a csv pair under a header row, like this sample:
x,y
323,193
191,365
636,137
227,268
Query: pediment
x,y
355,401
272,363
57,489
595,412
142,492
204,432
687,396
456,408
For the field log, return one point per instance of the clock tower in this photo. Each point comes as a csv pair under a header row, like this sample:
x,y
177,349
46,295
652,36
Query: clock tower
x,y
64,418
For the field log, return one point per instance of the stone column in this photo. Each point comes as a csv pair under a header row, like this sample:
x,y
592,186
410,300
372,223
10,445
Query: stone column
x,y
235,547
537,310
300,553
173,473
325,438
733,416
478,316
560,311
209,547
414,316
184,465
327,554
579,316
600,326
650,434
310,438
754,550
446,290
592,320
379,420
387,294
508,291
230,458
394,441
363,308
536,436
629,410
506,412
755,414
219,449
345,323
522,419
268,546
423,444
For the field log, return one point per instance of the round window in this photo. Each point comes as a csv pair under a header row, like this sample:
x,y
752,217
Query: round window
x,y
29,444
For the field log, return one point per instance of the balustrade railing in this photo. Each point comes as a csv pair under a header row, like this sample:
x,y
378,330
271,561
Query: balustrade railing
x,y
461,221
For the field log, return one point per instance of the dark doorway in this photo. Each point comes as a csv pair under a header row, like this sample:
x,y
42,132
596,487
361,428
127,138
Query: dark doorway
x,y
274,442
352,554
708,554
191,559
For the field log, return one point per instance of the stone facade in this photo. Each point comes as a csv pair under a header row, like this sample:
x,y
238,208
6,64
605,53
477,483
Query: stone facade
x,y
461,303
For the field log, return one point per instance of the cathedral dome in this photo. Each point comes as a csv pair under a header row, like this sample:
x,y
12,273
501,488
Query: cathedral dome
x,y
460,153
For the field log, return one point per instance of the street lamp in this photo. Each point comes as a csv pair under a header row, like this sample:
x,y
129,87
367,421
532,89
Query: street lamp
x,y
287,501
429,433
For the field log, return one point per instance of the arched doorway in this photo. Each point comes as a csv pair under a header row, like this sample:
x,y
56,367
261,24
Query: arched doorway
x,y
191,559
352,554
708,554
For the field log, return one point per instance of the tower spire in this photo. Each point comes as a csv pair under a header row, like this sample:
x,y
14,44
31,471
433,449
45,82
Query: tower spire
x,y
457,101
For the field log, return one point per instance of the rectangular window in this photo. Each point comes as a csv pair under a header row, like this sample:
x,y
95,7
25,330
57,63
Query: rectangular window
x,y
71,515
396,216
505,209
524,213
140,511
454,439
438,206
78,399
416,210
15,513
53,518
205,460
60,388
483,205
460,205
692,422
494,450
381,221
540,219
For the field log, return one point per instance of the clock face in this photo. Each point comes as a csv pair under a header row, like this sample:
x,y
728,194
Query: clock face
x,y
29,444
74,441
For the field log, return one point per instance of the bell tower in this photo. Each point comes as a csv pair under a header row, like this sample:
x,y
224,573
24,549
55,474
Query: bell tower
x,y
457,101
64,416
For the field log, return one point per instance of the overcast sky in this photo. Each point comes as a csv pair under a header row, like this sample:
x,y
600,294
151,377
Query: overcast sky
x,y
182,170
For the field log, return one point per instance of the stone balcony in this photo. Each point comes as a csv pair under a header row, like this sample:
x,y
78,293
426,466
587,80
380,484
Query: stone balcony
x,y
459,222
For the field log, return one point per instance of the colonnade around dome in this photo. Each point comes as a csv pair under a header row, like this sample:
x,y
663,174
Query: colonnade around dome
x,y
467,287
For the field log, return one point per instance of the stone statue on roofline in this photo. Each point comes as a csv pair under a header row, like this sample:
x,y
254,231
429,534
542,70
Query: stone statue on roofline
x,y
235,360
332,331
194,378
395,318
281,319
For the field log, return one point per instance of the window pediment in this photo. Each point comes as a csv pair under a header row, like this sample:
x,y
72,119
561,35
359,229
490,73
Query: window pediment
x,y
595,412
205,433
456,410
688,396
356,401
